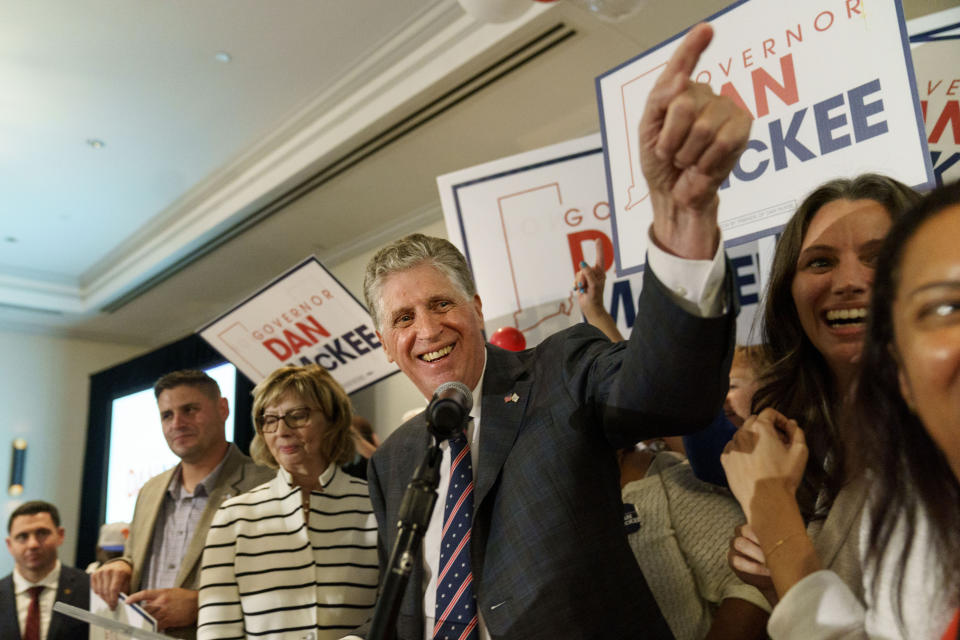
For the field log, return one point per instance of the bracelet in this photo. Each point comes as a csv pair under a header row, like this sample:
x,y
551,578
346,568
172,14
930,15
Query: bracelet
x,y
779,543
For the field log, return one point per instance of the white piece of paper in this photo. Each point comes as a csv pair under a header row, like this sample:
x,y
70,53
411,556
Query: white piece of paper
x,y
129,614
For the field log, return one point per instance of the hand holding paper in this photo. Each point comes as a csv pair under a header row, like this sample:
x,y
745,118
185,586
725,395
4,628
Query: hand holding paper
x,y
690,139
110,580
170,607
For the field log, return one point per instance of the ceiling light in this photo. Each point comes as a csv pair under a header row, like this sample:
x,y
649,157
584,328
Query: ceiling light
x,y
223,56
96,143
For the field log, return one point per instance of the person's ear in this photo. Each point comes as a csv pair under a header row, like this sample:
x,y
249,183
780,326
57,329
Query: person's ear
x,y
223,408
386,347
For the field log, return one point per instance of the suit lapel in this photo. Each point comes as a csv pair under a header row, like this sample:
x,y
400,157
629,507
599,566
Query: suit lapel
x,y
845,513
503,402
230,476
152,504
66,592
9,622
412,451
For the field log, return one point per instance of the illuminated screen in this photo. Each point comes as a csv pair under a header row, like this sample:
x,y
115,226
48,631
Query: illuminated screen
x,y
138,450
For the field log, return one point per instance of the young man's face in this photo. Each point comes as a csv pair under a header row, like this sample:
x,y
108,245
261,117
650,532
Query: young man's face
x,y
192,421
33,543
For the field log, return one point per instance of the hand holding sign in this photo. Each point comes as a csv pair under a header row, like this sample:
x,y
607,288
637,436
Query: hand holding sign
x,y
690,139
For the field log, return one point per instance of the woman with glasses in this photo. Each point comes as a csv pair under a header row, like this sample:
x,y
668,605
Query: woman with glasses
x,y
295,557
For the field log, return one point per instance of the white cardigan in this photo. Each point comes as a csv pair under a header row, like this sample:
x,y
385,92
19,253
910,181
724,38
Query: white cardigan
x,y
265,574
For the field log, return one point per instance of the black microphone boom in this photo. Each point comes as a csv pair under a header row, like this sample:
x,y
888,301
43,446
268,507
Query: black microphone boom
x,y
449,409
446,415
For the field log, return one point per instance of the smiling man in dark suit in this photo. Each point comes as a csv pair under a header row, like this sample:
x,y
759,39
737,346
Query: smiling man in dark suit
x,y
527,539
38,579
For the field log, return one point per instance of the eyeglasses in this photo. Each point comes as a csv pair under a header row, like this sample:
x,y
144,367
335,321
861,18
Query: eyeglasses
x,y
295,418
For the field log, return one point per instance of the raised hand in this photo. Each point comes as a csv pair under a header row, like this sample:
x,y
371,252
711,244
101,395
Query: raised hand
x,y
588,284
690,139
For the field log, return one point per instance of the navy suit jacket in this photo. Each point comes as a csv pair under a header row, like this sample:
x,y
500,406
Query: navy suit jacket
x,y
73,588
549,553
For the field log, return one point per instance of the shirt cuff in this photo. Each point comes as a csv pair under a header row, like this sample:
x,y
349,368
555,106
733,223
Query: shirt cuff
x,y
696,285
819,606
125,559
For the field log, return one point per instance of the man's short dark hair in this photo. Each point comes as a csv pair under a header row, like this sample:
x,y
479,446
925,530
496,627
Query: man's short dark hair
x,y
32,508
188,377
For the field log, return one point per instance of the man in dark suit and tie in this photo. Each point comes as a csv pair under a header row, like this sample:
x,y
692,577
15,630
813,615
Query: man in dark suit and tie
x,y
527,538
38,579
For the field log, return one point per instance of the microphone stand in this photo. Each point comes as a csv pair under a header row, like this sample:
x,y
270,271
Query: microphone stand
x,y
414,517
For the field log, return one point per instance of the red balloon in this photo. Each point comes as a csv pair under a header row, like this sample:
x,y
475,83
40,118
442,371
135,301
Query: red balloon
x,y
509,338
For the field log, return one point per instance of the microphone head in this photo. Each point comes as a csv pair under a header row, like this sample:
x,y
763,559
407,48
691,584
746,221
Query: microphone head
x,y
449,409
456,391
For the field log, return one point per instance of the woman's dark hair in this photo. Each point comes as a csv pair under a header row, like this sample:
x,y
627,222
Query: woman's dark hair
x,y
798,382
912,478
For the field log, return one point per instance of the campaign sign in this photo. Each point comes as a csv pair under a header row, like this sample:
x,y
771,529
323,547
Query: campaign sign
x,y
524,224
304,316
831,90
936,53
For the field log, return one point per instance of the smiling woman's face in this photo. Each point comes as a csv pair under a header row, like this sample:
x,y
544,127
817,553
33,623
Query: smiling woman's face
x,y
834,278
297,450
926,321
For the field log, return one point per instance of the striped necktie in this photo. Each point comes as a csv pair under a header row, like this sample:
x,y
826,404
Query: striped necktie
x,y
456,613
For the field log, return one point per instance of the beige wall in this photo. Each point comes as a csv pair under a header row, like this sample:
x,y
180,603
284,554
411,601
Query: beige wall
x,y
44,394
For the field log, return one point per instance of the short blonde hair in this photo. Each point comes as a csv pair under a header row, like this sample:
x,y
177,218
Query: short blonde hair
x,y
315,385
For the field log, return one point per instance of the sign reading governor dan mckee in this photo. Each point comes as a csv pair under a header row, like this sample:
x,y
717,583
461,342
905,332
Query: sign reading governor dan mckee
x,y
830,86
304,316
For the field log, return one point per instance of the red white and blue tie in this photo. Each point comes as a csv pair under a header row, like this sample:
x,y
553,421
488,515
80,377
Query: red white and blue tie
x,y
456,613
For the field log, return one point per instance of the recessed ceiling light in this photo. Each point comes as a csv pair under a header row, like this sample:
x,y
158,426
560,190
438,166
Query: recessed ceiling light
x,y
223,56
96,143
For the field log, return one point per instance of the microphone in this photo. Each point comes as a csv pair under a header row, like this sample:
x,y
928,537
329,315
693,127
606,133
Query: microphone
x,y
449,409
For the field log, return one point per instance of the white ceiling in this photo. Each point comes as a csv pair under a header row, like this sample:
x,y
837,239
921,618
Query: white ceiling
x,y
181,213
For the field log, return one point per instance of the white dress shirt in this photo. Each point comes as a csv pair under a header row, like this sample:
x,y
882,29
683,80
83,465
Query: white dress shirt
x,y
46,599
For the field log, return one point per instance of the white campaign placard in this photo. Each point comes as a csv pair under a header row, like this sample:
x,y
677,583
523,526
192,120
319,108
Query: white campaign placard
x,y
935,43
524,223
831,89
304,316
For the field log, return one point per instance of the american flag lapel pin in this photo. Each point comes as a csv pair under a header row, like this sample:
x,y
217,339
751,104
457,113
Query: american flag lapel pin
x,y
512,398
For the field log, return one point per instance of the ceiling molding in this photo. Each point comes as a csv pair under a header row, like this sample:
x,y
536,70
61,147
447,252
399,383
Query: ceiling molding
x,y
35,294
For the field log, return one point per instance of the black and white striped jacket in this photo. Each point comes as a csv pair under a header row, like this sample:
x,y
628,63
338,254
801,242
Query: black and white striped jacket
x,y
265,574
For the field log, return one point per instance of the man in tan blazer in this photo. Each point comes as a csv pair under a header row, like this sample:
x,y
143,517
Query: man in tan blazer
x,y
160,567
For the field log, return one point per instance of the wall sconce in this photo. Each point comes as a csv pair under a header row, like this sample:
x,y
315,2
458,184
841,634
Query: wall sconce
x,y
17,466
